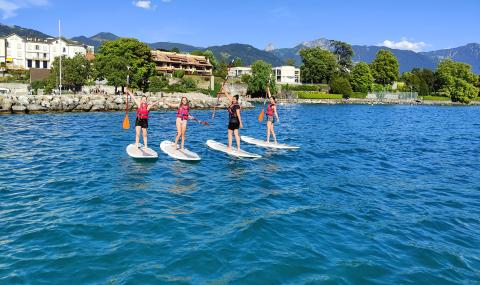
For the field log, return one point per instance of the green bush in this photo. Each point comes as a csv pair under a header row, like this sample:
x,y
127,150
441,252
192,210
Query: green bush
x,y
435,98
189,83
317,95
341,85
157,83
245,78
178,73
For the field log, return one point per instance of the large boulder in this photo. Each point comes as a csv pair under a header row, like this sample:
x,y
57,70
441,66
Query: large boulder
x,y
36,108
6,105
19,109
22,100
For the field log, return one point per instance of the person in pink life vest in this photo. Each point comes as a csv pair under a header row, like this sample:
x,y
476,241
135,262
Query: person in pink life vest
x,y
271,114
182,118
141,121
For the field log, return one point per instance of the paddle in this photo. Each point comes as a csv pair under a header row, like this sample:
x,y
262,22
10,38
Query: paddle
x,y
221,88
126,121
262,113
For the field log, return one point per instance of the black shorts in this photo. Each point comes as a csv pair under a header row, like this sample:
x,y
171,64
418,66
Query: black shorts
x,y
142,123
233,126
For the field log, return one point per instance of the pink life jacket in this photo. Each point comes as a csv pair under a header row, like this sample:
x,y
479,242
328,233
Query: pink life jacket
x,y
270,111
142,111
182,112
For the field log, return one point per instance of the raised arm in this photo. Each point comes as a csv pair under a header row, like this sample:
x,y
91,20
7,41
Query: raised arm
x,y
128,92
268,90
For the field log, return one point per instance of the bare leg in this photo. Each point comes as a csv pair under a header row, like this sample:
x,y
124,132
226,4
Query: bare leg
x,y
273,133
184,129
179,131
268,131
137,135
229,148
145,141
237,138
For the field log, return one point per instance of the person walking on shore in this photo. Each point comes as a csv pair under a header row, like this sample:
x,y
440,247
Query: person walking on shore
x,y
234,120
183,115
141,121
271,115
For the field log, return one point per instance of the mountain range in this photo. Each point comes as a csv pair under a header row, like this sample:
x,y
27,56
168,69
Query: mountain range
x,y
469,53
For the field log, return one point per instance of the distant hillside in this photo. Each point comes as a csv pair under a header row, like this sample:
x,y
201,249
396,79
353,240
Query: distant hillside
x,y
247,53
406,58
96,40
170,46
469,53
6,30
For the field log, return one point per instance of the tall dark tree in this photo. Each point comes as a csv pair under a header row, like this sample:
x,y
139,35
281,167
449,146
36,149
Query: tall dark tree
x,y
344,54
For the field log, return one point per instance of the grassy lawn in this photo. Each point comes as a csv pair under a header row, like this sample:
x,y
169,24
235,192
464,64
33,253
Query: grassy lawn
x,y
318,95
358,95
435,98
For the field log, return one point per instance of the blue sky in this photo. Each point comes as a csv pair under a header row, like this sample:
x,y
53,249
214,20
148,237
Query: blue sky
x,y
417,25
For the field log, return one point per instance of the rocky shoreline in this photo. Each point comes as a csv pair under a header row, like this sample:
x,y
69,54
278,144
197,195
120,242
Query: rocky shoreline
x,y
14,104
366,102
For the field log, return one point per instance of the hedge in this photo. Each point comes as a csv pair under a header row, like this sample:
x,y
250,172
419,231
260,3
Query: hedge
x,y
318,95
435,98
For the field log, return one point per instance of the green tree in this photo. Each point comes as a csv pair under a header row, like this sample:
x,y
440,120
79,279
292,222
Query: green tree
x,y
421,81
237,62
361,78
75,71
114,59
157,83
222,69
290,62
261,75
245,78
344,54
318,65
175,49
340,85
385,67
457,81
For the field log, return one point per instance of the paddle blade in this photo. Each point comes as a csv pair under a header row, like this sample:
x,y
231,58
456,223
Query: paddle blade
x,y
126,123
261,115
205,123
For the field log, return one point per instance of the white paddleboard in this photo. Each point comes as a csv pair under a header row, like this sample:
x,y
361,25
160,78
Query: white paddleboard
x,y
168,147
238,153
263,143
141,152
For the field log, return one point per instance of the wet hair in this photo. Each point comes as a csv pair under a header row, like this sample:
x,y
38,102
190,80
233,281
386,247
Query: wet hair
x,y
236,97
181,102
274,99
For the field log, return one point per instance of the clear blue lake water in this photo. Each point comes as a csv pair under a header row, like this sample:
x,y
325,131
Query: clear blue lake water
x,y
375,195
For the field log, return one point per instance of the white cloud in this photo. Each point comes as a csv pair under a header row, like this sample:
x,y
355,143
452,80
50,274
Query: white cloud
x,y
405,44
144,4
9,8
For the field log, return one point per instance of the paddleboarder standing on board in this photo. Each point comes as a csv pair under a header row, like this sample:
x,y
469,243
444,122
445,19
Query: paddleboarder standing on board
x,y
271,114
141,121
182,119
234,120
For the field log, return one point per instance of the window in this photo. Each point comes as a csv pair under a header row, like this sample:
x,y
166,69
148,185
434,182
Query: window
x,y
37,63
45,64
29,63
37,47
64,49
44,55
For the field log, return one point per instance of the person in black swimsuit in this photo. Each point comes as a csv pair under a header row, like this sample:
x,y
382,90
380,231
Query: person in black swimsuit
x,y
234,120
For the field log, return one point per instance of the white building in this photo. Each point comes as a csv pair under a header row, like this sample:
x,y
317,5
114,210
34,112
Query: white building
x,y
283,74
287,74
239,71
18,52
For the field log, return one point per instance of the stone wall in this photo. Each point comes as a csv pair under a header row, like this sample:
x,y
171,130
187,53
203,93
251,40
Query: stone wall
x,y
11,103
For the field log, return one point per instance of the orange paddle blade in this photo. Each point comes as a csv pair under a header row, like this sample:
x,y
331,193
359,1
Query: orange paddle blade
x,y
126,123
262,114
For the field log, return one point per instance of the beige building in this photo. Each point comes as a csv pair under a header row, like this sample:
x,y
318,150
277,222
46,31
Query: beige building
x,y
18,52
168,62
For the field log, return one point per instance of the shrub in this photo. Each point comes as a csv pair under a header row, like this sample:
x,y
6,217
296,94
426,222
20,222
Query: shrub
x,y
157,83
341,85
245,78
317,95
189,83
358,95
178,73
